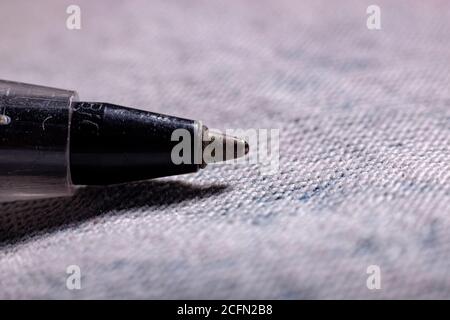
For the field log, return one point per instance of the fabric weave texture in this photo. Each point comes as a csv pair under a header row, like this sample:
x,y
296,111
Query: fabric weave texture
x,y
364,177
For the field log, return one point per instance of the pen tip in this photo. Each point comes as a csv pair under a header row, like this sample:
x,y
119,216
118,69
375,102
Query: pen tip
x,y
223,147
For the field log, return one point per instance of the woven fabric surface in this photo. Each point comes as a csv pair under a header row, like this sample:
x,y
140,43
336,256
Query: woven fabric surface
x,y
364,176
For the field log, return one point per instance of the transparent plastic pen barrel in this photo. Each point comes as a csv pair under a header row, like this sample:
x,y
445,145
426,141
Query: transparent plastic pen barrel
x,y
34,141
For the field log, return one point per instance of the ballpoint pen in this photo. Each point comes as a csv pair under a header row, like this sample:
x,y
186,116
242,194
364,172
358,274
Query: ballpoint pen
x,y
50,142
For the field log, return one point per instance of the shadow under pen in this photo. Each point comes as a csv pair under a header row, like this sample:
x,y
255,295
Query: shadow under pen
x,y
22,220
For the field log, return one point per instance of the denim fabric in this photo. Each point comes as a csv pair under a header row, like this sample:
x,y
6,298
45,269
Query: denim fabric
x,y
364,177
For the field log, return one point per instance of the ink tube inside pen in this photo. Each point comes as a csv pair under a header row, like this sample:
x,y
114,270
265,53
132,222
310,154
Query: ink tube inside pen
x,y
34,141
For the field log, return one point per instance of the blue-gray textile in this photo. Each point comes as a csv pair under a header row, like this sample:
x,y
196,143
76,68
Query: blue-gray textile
x,y
364,176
